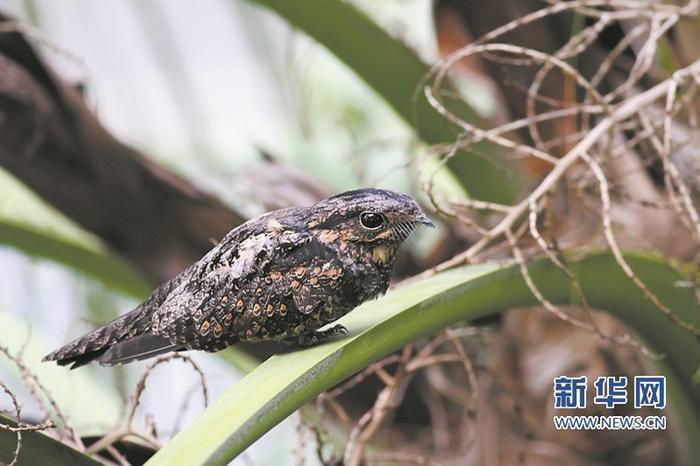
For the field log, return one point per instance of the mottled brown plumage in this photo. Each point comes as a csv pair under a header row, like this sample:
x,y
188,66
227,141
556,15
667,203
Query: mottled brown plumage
x,y
280,276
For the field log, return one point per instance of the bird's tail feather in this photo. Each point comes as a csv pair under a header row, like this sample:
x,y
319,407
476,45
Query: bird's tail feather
x,y
136,349
88,347
97,344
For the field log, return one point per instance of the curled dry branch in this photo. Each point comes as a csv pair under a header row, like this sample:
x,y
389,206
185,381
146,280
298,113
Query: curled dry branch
x,y
395,372
42,397
125,428
605,120
63,430
18,413
44,400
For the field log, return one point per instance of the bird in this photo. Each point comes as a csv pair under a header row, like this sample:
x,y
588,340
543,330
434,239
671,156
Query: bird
x,y
279,277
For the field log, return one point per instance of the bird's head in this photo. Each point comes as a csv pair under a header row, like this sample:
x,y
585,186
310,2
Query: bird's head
x,y
367,217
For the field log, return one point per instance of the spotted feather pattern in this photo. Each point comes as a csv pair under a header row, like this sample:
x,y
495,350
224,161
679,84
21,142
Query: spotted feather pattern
x,y
281,276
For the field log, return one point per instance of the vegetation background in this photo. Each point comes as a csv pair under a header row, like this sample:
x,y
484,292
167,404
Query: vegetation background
x,y
556,142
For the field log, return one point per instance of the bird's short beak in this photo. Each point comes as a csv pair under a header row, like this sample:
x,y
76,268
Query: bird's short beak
x,y
422,218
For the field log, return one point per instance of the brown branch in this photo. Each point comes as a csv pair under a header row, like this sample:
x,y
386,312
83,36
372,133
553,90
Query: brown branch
x,y
18,413
124,428
628,108
372,420
52,142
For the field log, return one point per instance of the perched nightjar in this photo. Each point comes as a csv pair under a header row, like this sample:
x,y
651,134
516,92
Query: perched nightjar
x,y
280,276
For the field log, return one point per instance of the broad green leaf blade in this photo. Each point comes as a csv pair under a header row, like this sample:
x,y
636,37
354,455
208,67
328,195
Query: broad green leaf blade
x,y
285,382
94,263
395,72
39,449
31,225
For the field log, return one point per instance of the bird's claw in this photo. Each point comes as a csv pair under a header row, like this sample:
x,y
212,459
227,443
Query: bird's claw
x,y
316,338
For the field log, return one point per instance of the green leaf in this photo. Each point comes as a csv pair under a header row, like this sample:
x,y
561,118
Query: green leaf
x,y
395,72
696,377
29,224
38,448
89,261
285,382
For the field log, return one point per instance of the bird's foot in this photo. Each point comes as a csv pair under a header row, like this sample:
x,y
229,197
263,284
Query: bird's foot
x,y
316,337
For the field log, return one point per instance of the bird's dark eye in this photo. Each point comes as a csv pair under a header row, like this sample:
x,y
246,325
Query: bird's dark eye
x,y
371,220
